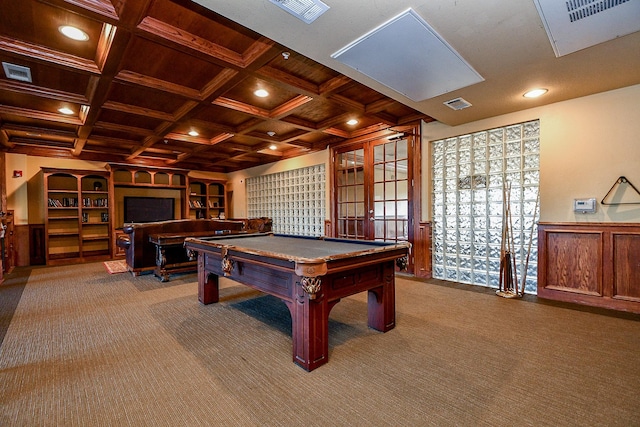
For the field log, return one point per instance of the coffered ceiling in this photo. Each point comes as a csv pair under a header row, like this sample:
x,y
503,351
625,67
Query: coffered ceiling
x,y
152,71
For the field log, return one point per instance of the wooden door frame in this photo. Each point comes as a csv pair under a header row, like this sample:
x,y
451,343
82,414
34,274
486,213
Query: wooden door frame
x,y
413,134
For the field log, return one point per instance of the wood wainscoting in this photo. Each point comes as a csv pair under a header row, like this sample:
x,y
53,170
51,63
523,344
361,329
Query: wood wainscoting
x,y
422,251
595,264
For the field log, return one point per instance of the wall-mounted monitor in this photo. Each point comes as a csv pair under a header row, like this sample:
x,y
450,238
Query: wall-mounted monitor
x,y
148,209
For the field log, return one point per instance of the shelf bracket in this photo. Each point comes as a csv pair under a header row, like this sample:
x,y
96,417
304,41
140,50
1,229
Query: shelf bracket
x,y
620,181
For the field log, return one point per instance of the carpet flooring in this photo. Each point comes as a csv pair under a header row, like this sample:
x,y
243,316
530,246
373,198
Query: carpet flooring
x,y
84,347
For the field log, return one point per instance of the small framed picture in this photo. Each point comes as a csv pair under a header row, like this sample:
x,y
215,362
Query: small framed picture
x,y
105,217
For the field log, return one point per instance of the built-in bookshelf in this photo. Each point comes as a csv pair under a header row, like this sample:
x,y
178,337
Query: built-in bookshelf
x,y
77,220
206,199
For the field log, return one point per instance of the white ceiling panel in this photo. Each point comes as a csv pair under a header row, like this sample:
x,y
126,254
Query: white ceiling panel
x,y
424,68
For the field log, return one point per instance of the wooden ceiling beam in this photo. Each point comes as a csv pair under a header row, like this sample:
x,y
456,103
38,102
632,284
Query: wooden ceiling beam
x,y
132,109
289,106
13,127
334,84
157,84
190,41
45,54
103,8
232,104
40,115
213,141
294,83
42,92
123,128
4,139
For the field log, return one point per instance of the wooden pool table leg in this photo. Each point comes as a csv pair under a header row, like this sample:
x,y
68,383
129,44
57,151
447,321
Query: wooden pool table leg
x,y
208,289
310,329
382,302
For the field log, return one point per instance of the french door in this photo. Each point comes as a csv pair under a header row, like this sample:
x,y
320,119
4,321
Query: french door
x,y
373,191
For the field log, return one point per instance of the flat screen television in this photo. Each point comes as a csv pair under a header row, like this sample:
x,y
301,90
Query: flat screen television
x,y
148,209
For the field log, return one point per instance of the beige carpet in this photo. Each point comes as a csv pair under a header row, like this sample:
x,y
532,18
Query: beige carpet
x,y
88,348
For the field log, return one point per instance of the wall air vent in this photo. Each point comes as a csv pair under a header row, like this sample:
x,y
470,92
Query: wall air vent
x,y
573,25
17,72
457,104
305,10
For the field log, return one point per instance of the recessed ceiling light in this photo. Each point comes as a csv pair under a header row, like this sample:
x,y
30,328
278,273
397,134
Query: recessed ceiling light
x,y
271,133
193,133
352,122
65,110
534,93
261,93
74,33
273,147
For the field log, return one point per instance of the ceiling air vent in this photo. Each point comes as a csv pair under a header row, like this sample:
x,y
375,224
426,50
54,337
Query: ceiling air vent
x,y
573,25
579,9
305,10
457,104
17,72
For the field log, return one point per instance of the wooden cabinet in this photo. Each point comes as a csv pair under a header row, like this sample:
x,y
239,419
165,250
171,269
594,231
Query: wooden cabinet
x,y
594,264
77,219
206,199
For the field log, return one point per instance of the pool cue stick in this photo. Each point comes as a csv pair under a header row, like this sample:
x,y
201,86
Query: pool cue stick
x,y
514,273
502,242
533,226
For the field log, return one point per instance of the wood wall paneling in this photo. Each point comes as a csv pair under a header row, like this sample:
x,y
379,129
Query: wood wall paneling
x,y
37,245
573,261
422,251
22,247
626,266
595,264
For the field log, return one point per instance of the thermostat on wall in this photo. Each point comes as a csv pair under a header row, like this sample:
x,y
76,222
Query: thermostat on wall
x,y
584,205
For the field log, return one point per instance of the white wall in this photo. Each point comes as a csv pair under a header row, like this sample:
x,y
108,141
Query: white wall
x,y
585,145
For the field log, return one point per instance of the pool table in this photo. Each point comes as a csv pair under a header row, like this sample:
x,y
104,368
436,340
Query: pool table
x,y
309,274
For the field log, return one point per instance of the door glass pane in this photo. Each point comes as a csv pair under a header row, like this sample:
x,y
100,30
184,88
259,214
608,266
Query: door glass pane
x,y
378,209
402,188
379,230
401,147
389,171
402,209
378,172
390,151
378,153
378,191
402,166
390,190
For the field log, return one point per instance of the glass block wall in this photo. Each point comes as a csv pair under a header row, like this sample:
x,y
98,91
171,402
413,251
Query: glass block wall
x,y
294,199
471,175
